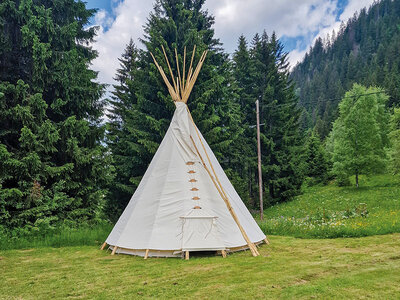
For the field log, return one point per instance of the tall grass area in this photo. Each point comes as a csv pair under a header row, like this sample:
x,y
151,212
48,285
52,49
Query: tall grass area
x,y
59,237
332,211
320,212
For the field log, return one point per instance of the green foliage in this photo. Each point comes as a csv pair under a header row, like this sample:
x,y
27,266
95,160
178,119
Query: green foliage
x,y
331,211
43,234
395,141
261,72
365,51
52,165
142,107
315,159
127,151
360,133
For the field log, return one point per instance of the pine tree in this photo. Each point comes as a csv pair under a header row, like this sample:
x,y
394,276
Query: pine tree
x,y
242,67
180,24
52,165
360,133
244,82
280,135
316,162
126,151
269,82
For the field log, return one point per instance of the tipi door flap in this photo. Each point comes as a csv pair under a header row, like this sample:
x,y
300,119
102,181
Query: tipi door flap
x,y
200,234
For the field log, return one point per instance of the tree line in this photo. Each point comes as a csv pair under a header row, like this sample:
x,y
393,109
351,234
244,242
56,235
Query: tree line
x,y
60,164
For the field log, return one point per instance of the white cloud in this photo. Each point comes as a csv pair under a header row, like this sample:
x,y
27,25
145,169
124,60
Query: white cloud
x,y
285,17
103,18
352,7
290,18
130,16
295,56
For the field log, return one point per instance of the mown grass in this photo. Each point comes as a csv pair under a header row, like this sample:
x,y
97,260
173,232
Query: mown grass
x,y
332,211
288,268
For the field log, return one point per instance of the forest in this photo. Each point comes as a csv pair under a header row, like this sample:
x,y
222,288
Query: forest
x,y
69,155
364,51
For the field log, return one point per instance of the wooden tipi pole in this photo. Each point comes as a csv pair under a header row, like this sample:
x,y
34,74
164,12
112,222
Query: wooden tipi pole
x,y
103,246
221,191
185,89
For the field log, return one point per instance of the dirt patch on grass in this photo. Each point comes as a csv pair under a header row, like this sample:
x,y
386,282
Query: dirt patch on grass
x,y
25,250
201,268
300,282
106,257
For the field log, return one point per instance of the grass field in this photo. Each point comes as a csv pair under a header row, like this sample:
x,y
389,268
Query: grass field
x,y
288,268
332,211
68,264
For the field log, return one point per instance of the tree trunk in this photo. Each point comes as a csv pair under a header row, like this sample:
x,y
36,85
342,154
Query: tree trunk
x,y
356,179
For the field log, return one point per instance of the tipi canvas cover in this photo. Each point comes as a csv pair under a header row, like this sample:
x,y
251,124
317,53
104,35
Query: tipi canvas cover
x,y
185,202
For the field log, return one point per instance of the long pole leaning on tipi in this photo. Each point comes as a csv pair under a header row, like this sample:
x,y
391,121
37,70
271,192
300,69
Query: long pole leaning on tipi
x,y
182,94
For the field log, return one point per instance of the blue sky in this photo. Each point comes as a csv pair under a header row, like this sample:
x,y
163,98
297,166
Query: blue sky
x,y
296,22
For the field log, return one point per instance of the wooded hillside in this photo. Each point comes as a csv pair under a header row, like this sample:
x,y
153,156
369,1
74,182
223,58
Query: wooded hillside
x,y
365,51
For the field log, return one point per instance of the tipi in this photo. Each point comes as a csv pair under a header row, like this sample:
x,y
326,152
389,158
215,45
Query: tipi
x,y
185,202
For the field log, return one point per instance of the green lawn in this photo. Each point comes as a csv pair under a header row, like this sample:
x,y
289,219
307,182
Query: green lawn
x,y
288,268
332,211
301,268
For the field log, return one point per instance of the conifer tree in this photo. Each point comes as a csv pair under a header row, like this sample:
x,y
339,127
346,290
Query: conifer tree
x,y
52,162
364,51
316,162
126,150
281,141
264,76
242,71
180,24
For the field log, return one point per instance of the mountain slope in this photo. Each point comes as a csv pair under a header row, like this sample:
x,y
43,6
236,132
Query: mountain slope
x,y
365,50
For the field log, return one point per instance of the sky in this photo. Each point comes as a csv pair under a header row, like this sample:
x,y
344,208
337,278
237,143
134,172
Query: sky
x,y
297,24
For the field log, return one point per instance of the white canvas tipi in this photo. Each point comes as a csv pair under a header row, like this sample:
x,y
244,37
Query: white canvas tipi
x,y
185,202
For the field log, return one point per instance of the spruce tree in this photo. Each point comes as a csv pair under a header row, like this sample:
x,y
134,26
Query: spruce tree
x,y
316,162
126,150
242,71
52,161
281,140
264,76
179,24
